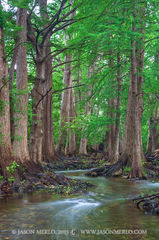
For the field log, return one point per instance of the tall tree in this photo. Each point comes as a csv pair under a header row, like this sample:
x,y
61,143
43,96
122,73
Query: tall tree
x,y
6,156
133,146
47,144
115,154
20,143
72,136
65,106
67,109
42,92
84,140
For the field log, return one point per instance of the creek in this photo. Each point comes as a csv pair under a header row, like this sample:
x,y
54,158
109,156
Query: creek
x,y
90,215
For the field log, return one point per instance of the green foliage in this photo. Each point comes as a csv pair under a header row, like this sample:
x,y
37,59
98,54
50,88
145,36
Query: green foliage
x,y
3,105
100,162
98,34
126,170
12,169
1,178
143,162
1,16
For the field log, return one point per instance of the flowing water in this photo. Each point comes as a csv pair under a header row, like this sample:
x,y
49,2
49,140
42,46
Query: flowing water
x,y
104,212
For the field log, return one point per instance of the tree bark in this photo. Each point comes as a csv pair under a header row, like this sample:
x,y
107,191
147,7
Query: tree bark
x,y
134,115
72,136
11,81
111,114
36,133
41,137
111,131
140,52
48,143
6,156
83,141
111,148
48,149
20,143
153,135
115,154
137,63
149,139
133,149
65,107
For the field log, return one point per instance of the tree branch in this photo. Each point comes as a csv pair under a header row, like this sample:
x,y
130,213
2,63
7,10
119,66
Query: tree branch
x,y
52,23
50,28
54,92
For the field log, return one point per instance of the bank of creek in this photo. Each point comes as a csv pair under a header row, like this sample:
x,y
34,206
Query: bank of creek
x,y
108,206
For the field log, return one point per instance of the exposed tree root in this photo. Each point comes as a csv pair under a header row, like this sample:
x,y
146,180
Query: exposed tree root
x,y
106,170
31,177
151,169
152,165
124,161
74,163
136,173
148,204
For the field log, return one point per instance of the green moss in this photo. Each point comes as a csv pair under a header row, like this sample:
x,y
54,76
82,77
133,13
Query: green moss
x,y
126,170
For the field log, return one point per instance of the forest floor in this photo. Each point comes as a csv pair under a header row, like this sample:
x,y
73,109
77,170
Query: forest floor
x,y
46,181
45,178
94,160
150,168
42,180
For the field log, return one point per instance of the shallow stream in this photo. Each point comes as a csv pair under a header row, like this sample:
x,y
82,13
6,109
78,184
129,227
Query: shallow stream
x,y
104,212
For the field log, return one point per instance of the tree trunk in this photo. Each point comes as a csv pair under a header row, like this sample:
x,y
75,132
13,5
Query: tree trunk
x,y
140,65
20,143
11,81
111,152
128,139
65,107
72,136
136,150
66,145
115,154
137,64
133,135
41,137
149,139
111,131
5,141
153,143
111,114
83,146
48,143
48,150
155,135
83,141
36,133
106,145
